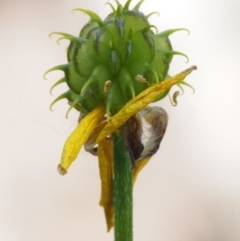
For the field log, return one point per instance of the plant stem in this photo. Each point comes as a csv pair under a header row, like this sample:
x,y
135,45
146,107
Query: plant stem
x,y
123,186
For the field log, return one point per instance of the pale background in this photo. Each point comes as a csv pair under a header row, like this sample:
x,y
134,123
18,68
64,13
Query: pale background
x,y
191,189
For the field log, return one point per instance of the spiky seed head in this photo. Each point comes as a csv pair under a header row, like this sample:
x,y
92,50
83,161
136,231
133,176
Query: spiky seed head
x,y
113,60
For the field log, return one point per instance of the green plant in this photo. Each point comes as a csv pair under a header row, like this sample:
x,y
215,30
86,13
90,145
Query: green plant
x,y
114,69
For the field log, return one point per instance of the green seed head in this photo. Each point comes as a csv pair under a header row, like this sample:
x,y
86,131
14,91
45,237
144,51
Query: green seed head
x,y
113,60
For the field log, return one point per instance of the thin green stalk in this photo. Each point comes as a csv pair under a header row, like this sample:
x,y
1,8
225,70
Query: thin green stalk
x,y
123,186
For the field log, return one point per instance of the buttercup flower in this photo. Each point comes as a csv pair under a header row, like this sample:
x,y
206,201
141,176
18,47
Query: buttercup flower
x,y
116,68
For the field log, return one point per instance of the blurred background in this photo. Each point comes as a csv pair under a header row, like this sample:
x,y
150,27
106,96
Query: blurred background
x,y
190,191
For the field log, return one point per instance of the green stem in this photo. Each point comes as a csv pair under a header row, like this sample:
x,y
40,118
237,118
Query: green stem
x,y
123,186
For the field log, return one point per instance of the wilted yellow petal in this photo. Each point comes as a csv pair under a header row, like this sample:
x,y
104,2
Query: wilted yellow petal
x,y
141,101
91,142
78,137
140,164
105,158
109,214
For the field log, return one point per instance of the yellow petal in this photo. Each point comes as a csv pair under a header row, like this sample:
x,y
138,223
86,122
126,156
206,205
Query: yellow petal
x,y
91,142
141,101
78,137
140,164
105,158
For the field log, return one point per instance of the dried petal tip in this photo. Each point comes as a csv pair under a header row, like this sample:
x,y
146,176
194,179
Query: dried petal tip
x,y
61,170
